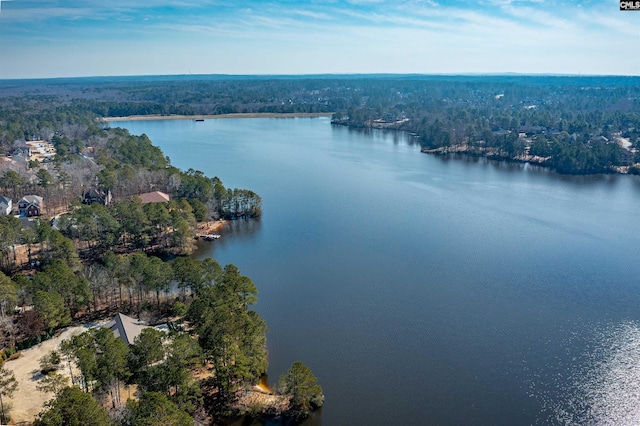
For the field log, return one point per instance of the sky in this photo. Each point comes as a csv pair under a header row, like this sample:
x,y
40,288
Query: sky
x,y
70,38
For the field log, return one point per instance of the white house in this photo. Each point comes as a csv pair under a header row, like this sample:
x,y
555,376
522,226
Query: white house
x,y
6,206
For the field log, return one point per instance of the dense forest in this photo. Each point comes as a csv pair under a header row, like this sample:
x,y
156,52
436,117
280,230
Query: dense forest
x,y
575,125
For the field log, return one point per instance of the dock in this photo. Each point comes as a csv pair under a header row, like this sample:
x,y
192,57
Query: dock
x,y
209,237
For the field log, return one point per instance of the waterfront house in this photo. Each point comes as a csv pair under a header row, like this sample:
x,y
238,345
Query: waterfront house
x,y
30,205
154,197
6,206
126,328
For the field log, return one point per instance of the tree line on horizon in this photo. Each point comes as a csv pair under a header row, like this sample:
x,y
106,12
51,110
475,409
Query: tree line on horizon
x,y
563,117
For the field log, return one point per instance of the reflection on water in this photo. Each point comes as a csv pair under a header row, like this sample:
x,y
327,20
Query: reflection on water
x,y
605,390
398,137
240,229
264,384
315,419
515,166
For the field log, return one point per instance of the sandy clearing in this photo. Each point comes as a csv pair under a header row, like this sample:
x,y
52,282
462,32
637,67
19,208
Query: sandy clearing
x,y
27,402
211,226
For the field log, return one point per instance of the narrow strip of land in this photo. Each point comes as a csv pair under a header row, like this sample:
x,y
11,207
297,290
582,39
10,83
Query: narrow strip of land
x,y
203,117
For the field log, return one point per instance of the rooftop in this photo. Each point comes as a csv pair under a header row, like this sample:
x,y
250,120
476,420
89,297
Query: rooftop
x,y
154,197
126,328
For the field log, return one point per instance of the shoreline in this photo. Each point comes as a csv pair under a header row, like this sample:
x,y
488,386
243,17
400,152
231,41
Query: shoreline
x,y
210,227
154,117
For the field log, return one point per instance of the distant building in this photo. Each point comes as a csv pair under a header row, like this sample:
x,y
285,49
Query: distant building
x,y
41,150
23,151
6,206
96,196
30,205
20,153
154,197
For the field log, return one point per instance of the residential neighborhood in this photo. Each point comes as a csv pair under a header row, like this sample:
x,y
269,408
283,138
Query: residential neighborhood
x,y
38,150
28,206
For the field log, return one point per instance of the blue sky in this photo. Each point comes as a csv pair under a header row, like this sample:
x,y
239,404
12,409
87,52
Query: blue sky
x,y
56,38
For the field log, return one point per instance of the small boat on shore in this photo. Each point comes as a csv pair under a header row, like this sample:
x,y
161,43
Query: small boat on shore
x,y
211,237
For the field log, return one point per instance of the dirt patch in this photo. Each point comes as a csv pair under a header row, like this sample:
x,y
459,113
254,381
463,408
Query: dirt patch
x,y
28,401
210,227
256,401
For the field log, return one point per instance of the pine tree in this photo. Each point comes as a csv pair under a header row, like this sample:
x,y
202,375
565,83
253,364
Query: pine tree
x,y
8,385
300,383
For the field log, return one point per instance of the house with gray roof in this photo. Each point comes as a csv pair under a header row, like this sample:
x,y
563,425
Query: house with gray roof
x,y
126,328
30,205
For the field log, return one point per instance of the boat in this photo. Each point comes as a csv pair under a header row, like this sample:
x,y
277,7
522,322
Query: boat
x,y
199,119
211,237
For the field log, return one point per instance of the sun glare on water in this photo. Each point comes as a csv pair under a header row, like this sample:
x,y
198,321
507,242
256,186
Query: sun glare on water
x,y
606,391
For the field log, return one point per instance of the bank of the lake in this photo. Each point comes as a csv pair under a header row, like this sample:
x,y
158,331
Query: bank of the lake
x,y
425,290
154,117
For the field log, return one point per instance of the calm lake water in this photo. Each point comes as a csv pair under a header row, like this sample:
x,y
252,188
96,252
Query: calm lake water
x,y
425,290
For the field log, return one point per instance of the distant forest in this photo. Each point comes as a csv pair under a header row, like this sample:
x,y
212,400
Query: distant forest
x,y
577,125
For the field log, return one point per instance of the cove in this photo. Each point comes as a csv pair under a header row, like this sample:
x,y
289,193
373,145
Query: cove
x,y
421,289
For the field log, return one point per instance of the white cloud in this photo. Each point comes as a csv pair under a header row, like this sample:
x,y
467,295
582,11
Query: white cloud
x,y
311,14
327,36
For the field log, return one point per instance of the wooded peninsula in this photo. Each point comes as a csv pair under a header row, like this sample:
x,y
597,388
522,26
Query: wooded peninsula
x,y
101,228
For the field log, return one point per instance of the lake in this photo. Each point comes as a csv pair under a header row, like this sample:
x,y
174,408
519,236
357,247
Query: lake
x,y
429,290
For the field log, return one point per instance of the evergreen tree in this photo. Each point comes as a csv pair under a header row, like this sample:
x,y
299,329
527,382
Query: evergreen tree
x,y
51,309
155,409
300,383
72,407
8,385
